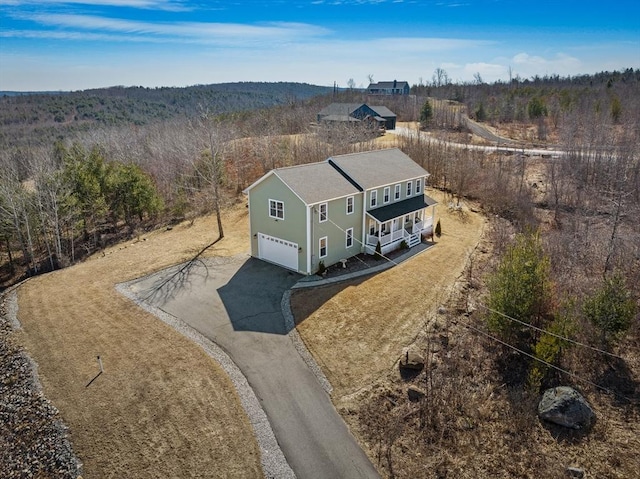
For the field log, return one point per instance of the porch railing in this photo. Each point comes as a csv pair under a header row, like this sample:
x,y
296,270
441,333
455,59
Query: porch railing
x,y
402,233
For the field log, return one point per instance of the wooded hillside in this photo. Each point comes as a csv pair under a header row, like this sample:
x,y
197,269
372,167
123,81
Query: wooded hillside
x,y
169,149
29,118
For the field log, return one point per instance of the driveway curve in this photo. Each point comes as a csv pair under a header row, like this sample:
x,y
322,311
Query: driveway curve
x,y
236,303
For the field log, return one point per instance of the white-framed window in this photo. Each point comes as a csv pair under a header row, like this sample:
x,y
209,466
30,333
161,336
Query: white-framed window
x,y
418,186
323,212
373,198
409,183
323,247
350,205
349,238
276,209
396,194
386,195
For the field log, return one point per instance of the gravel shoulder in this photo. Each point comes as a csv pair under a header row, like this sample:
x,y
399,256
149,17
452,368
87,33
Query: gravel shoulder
x,y
163,407
33,439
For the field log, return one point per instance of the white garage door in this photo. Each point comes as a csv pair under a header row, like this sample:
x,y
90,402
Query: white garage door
x,y
279,251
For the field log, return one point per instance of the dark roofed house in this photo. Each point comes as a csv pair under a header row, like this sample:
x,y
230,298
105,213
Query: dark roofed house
x,y
357,112
389,88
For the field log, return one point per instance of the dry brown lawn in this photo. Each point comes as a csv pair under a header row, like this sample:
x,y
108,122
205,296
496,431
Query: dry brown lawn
x,y
357,330
162,408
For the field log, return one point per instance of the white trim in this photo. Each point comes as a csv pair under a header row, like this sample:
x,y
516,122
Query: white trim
x,y
309,240
320,213
363,221
353,204
386,195
418,186
397,192
276,209
326,247
373,198
348,236
409,188
251,227
260,180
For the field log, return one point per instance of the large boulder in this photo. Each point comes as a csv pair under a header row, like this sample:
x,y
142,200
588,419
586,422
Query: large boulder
x,y
411,359
566,407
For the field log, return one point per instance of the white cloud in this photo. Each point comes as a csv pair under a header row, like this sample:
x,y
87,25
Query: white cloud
x,y
168,5
97,27
529,65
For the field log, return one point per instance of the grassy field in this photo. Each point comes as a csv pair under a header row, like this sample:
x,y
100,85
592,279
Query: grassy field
x,y
162,408
473,422
357,330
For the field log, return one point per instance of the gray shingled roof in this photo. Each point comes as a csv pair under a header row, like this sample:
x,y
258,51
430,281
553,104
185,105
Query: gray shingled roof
x,y
377,168
316,182
340,109
382,111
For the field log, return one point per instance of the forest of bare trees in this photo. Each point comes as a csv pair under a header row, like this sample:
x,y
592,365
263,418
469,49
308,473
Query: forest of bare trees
x,y
172,167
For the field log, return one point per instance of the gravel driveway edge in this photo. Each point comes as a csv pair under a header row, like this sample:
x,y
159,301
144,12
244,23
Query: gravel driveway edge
x,y
274,464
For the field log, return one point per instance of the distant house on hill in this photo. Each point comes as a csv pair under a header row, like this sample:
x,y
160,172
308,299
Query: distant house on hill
x,y
389,88
347,113
325,212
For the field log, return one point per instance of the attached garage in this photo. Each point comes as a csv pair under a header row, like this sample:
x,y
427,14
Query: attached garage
x,y
278,251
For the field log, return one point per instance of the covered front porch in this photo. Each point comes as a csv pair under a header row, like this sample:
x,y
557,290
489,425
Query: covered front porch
x,y
404,221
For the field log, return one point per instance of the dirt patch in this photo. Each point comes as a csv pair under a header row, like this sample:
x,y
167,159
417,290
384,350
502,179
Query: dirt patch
x,y
162,408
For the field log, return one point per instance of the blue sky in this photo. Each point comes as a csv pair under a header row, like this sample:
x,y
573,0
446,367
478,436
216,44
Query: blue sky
x,y
79,44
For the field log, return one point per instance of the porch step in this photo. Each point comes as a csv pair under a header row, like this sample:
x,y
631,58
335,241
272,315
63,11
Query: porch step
x,y
414,239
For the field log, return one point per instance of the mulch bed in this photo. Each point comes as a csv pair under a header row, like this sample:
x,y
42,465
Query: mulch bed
x,y
362,262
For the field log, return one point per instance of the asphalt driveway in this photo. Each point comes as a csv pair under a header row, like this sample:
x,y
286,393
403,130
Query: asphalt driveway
x,y
235,302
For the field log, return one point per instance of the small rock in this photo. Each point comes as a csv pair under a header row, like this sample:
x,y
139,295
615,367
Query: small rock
x,y
415,393
411,359
442,310
566,407
575,472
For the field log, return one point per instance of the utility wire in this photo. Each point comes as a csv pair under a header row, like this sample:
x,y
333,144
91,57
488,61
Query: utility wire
x,y
558,368
553,366
564,338
354,238
577,343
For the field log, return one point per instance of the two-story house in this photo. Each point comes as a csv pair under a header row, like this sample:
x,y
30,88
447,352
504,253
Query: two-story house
x,y
389,88
328,211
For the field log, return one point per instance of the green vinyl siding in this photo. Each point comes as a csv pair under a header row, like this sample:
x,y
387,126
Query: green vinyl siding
x,y
403,192
292,228
338,221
